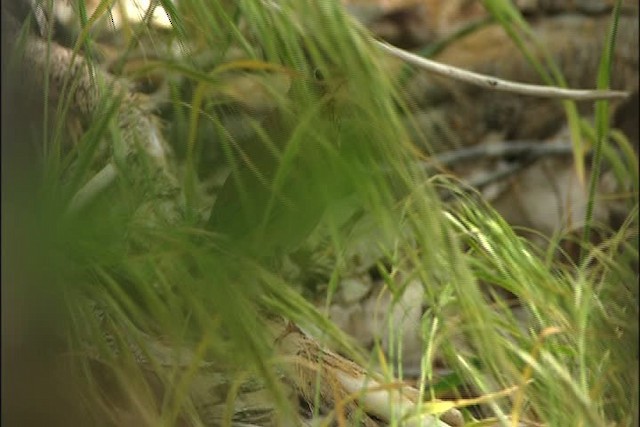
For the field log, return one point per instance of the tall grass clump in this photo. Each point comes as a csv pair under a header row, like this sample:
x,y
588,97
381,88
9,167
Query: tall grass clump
x,y
164,273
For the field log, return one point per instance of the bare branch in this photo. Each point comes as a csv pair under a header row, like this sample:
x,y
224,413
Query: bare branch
x,y
522,149
494,83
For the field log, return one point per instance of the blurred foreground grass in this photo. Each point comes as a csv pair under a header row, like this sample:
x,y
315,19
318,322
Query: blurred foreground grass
x,y
81,290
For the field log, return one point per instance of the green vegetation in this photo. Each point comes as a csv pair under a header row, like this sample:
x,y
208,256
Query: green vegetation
x,y
327,168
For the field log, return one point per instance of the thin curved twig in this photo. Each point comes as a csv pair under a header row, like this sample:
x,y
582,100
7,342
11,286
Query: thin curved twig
x,y
494,83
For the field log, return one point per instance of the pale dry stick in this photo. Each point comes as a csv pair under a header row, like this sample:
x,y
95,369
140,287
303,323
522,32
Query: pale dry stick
x,y
96,185
494,83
